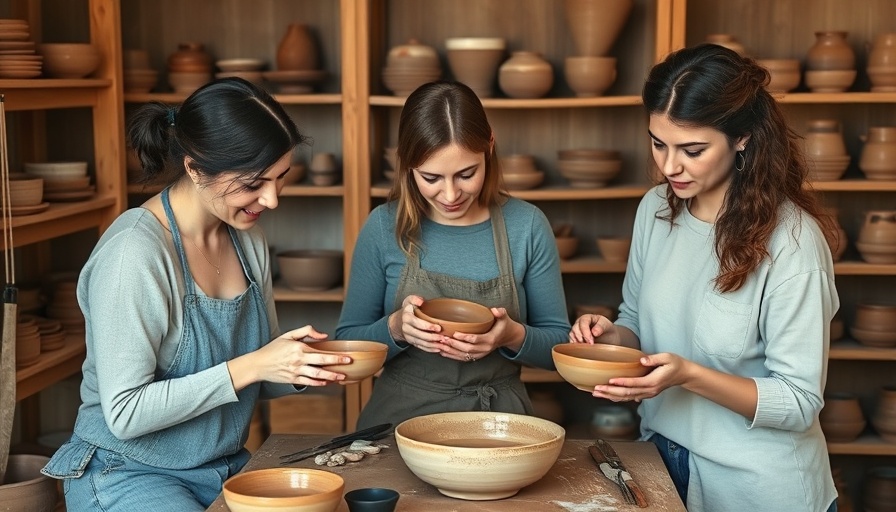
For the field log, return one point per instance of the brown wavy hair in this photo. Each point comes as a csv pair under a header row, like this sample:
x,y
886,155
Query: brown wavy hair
x,y
434,116
711,86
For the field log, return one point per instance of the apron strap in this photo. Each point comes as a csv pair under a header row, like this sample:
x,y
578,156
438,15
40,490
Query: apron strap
x,y
178,243
502,249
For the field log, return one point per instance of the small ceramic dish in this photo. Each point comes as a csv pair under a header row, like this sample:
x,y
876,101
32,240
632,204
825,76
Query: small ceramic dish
x,y
456,315
367,357
371,499
585,366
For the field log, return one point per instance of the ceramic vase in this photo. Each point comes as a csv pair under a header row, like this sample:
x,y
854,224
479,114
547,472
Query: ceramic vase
x,y
831,52
881,66
595,24
297,50
475,62
878,158
525,75
190,57
824,138
728,41
884,419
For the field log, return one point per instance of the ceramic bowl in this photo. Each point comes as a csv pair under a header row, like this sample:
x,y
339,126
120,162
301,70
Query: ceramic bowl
x,y
375,499
479,455
27,191
69,60
566,246
56,170
585,366
24,487
310,269
830,80
876,317
870,338
284,489
589,76
784,74
522,180
456,315
877,253
367,357
614,250
518,163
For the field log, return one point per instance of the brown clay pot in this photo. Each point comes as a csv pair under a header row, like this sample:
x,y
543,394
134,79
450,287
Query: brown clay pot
x,y
884,418
824,138
876,317
190,57
880,489
297,50
25,488
881,67
878,157
831,52
525,75
879,227
595,24
841,418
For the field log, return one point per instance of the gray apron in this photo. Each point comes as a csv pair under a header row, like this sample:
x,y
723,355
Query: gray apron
x,y
415,383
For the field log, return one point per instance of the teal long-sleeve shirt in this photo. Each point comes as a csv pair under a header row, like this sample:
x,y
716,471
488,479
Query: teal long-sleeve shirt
x,y
467,252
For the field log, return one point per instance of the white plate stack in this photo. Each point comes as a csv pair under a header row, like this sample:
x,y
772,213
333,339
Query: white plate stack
x,y
17,56
63,181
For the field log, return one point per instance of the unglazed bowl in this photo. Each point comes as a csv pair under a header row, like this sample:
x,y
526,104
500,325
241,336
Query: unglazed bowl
x,y
456,315
311,269
585,366
284,490
479,455
367,357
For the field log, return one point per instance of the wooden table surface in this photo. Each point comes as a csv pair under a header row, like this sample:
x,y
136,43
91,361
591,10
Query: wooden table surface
x,y
574,483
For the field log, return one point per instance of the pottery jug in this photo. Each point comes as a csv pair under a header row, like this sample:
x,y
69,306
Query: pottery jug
x,y
878,157
297,50
728,41
190,57
831,51
595,24
525,75
879,228
824,138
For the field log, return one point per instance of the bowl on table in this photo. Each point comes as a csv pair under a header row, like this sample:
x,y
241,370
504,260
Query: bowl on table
x,y
367,357
585,366
371,499
479,455
284,489
456,315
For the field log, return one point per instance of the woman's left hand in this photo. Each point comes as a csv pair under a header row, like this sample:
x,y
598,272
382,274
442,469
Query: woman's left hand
x,y
470,347
668,370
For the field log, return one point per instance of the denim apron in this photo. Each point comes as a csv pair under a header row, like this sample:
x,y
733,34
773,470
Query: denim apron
x,y
215,331
415,383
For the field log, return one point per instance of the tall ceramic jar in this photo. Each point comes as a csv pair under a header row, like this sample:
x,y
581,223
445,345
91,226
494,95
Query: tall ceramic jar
x,y
831,51
824,138
297,50
596,24
882,63
525,75
878,157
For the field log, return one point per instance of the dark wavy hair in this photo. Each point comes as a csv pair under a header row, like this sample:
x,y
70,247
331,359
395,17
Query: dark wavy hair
x,y
711,86
434,116
226,126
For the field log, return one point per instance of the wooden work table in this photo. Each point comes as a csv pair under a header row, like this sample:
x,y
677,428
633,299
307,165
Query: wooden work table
x,y
574,483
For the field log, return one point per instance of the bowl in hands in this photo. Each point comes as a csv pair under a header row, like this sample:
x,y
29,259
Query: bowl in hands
x,y
456,315
585,365
479,455
286,489
367,357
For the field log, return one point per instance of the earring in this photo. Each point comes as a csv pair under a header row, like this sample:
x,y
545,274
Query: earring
x,y
743,161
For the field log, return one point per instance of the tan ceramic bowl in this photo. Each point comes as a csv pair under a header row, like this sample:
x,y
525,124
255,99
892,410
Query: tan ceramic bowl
x,y
518,164
284,490
311,269
585,366
367,357
884,254
589,76
479,455
455,315
69,60
522,180
876,317
830,80
784,74
24,487
614,250
26,191
880,339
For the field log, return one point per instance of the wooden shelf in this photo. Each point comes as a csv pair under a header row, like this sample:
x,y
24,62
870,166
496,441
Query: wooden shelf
x,y
591,265
44,93
860,268
498,103
867,444
839,97
855,185
60,219
286,99
849,350
282,293
557,193
288,190
52,367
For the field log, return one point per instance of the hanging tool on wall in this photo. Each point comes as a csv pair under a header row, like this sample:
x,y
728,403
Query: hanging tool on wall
x,y
8,343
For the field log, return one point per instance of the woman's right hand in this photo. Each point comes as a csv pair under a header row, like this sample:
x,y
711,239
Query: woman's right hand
x,y
589,327
405,326
287,359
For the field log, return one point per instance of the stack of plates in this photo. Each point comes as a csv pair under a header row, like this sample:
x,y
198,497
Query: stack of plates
x,y
63,181
17,56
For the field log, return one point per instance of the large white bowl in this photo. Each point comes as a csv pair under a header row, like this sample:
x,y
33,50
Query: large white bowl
x,y
479,455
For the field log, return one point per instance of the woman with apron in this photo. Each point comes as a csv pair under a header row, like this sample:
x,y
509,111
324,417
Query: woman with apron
x,y
448,230
179,311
